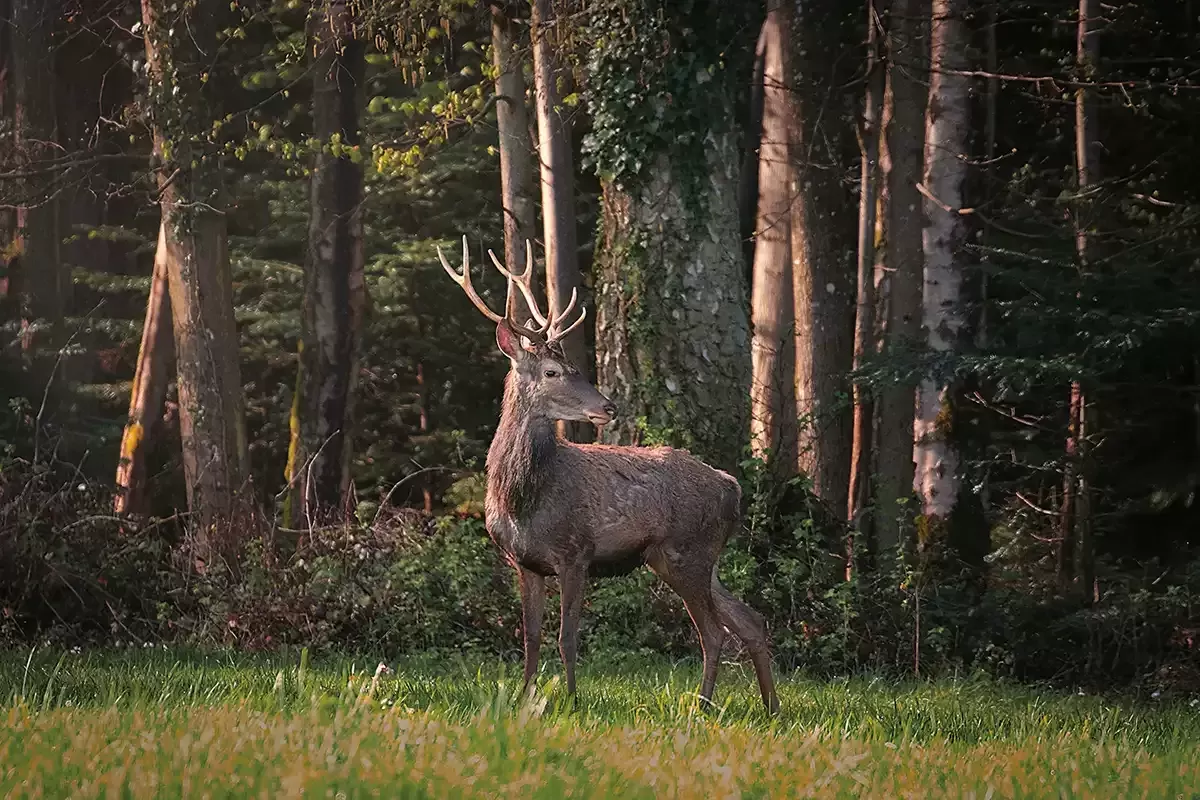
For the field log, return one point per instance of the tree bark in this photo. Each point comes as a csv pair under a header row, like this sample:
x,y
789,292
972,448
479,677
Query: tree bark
x,y
1076,518
858,493
904,142
939,478
211,417
516,147
35,250
156,357
822,286
334,283
558,186
772,420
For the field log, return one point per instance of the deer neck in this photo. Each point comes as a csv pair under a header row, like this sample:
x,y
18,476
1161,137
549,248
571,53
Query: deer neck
x,y
522,455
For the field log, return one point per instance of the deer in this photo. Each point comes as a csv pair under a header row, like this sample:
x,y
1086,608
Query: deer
x,y
556,508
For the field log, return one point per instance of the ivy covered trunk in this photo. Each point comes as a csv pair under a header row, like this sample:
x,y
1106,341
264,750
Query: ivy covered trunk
x,y
211,417
155,358
34,253
903,131
772,398
672,320
939,464
822,237
334,287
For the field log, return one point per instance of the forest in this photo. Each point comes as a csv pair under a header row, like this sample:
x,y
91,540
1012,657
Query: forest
x,y
920,274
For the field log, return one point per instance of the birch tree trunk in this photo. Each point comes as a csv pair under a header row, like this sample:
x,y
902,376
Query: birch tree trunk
x,y
772,420
516,147
939,478
904,101
35,252
156,357
334,288
211,417
558,186
822,234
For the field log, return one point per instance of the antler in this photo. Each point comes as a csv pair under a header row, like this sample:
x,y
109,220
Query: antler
x,y
548,326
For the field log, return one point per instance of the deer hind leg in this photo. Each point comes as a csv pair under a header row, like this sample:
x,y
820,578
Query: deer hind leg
x,y
570,580
691,584
533,603
748,625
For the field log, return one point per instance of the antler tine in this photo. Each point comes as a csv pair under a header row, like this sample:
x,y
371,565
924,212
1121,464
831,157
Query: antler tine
x,y
464,281
556,319
522,282
558,335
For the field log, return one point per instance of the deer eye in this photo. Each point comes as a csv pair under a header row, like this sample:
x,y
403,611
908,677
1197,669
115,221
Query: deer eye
x,y
551,373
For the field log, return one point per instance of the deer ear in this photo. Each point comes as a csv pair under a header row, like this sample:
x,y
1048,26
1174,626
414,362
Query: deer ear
x,y
507,340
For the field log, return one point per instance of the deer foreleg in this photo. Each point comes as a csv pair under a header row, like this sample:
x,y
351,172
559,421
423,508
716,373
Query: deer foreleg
x,y
571,582
533,602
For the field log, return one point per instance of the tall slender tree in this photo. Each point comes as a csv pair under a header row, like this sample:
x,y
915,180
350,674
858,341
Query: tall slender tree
x,y
156,357
1076,515
35,251
903,131
858,491
516,146
557,182
178,59
334,285
939,464
822,285
772,418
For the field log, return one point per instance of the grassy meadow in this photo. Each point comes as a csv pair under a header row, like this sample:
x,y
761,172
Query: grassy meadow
x,y
170,723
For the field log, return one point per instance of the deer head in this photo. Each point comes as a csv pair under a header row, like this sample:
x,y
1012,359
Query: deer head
x,y
547,383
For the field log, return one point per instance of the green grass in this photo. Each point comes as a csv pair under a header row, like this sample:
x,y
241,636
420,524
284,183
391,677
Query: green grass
x,y
154,723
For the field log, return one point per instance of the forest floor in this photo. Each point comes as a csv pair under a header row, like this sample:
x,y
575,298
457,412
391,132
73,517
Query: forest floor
x,y
172,723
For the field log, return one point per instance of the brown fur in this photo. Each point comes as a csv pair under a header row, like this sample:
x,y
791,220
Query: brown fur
x,y
570,510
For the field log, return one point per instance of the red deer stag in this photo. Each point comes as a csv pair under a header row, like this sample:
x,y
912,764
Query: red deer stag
x,y
558,508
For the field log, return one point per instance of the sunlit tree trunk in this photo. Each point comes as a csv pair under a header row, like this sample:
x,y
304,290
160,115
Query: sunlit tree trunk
x,y
156,357
858,493
904,101
939,464
516,147
211,416
822,232
334,287
1076,517
35,250
558,184
772,419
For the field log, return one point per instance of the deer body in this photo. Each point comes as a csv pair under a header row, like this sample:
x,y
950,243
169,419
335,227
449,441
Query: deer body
x,y
556,508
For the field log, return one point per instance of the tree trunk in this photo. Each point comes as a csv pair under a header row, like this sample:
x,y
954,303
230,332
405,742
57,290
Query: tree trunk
x,y
939,465
904,143
748,174
155,359
822,283
858,494
558,186
516,147
206,341
1076,520
772,420
334,285
38,232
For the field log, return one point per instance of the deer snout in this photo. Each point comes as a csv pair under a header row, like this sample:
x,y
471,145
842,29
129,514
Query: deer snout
x,y
610,408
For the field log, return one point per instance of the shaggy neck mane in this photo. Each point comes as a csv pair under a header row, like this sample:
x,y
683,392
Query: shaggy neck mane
x,y
522,453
